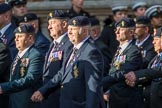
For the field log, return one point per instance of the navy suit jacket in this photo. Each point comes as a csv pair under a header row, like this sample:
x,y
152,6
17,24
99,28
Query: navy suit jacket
x,y
25,79
79,80
52,68
9,35
148,52
41,43
5,62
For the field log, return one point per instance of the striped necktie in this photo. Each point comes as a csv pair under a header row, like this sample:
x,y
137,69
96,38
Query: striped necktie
x,y
15,63
72,56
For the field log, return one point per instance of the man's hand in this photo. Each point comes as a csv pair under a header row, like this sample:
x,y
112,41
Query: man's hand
x,y
106,97
37,97
130,78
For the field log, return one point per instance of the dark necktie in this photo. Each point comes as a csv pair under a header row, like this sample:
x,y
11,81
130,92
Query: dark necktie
x,y
72,56
15,63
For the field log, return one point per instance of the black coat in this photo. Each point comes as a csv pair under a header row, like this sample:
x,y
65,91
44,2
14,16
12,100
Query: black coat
x,y
5,62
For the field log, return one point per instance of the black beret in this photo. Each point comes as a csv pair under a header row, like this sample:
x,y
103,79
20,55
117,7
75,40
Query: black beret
x,y
25,28
154,11
143,20
58,14
94,21
125,23
4,8
17,2
79,21
28,17
158,32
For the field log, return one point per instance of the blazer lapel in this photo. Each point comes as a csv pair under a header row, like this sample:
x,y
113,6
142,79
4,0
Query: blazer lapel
x,y
78,54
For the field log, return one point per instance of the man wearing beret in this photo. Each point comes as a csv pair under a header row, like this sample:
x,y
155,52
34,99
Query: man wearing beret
x,y
108,34
77,9
153,72
155,14
26,70
18,9
95,33
127,58
57,25
7,28
144,41
81,73
139,8
5,62
41,42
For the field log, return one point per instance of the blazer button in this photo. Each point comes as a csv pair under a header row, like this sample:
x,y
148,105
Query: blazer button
x,y
62,86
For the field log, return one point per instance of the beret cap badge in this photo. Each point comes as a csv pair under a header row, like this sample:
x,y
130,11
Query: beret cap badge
x,y
25,19
122,23
74,22
19,29
50,14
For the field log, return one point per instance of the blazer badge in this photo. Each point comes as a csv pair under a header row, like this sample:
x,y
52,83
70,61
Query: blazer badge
x,y
75,72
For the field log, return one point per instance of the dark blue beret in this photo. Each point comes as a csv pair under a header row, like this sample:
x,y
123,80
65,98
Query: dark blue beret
x,y
154,11
79,21
125,23
4,8
25,28
58,14
143,20
158,32
17,2
28,17
94,21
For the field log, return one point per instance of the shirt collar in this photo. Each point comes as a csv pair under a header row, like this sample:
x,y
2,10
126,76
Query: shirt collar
x,y
5,28
20,54
124,46
140,43
81,43
60,38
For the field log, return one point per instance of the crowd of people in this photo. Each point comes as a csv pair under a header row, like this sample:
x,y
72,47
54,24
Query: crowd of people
x,y
81,66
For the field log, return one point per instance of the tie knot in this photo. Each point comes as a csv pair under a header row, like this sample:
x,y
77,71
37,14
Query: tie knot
x,y
75,50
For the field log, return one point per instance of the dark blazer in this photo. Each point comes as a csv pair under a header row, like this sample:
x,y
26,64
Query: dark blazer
x,y
109,38
5,62
121,95
72,13
148,52
80,79
154,73
52,69
106,54
41,43
9,35
25,78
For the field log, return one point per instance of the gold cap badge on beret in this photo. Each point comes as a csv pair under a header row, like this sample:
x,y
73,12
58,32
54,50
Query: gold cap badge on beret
x,y
50,14
19,29
25,19
122,23
74,22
